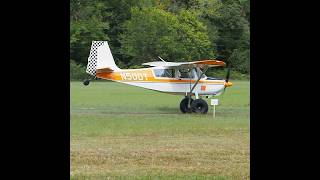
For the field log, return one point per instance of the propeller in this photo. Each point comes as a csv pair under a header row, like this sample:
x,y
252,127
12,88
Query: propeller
x,y
228,75
227,79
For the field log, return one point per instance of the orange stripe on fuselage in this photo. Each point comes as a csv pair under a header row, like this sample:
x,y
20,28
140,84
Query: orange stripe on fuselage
x,y
145,75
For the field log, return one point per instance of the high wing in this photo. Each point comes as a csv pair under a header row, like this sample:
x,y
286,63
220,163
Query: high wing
x,y
201,64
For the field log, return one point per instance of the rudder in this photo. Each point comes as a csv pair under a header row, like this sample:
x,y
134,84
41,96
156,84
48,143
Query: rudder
x,y
100,58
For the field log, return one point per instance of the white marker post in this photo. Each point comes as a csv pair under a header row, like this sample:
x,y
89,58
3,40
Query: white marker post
x,y
214,102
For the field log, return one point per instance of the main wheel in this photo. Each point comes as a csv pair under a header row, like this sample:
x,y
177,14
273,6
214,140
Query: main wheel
x,y
199,106
184,105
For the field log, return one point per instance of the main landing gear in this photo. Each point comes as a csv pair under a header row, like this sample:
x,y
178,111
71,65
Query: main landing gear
x,y
199,106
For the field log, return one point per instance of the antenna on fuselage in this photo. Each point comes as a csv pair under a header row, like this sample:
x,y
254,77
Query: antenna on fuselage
x,y
161,59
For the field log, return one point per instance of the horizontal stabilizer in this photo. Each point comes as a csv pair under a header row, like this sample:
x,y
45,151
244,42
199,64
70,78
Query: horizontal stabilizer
x,y
104,70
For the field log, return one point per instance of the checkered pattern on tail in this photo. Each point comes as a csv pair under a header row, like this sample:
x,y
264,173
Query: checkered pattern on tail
x,y
92,60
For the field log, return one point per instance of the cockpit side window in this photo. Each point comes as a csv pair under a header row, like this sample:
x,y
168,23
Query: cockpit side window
x,y
164,73
184,73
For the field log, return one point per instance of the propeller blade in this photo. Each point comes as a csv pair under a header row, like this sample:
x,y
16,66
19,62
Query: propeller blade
x,y
228,75
227,79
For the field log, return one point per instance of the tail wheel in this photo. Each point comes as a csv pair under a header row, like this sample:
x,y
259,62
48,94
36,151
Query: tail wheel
x,y
86,82
184,105
199,106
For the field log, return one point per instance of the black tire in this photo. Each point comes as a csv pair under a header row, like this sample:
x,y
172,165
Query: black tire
x,y
199,106
184,105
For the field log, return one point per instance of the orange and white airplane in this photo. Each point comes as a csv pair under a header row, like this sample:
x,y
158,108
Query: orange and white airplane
x,y
181,78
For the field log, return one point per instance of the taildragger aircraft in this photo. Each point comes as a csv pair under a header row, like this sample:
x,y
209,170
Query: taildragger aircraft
x,y
180,78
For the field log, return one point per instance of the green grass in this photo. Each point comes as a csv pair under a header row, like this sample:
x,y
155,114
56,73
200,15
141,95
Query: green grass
x,y
125,132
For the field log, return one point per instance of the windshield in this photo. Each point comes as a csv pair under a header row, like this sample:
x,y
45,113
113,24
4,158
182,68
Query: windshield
x,y
199,72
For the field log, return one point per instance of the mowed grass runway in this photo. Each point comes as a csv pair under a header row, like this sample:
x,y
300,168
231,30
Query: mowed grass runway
x,y
125,132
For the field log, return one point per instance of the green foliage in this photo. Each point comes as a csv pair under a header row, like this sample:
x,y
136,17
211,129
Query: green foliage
x,y
241,60
77,71
135,66
233,28
221,73
181,30
87,24
153,32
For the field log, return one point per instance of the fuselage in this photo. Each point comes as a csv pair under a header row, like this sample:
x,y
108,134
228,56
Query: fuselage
x,y
173,81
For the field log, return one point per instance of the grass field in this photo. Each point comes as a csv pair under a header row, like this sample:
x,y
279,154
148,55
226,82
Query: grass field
x,y
125,132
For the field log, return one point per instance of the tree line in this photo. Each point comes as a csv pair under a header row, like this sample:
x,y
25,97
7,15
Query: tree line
x,y
176,30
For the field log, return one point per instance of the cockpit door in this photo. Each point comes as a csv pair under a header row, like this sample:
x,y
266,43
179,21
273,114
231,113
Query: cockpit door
x,y
185,74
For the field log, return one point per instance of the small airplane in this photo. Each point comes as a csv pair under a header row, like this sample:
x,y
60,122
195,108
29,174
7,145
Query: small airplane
x,y
180,78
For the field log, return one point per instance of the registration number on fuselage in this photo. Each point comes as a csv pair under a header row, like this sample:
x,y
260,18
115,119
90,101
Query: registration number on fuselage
x,y
133,76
